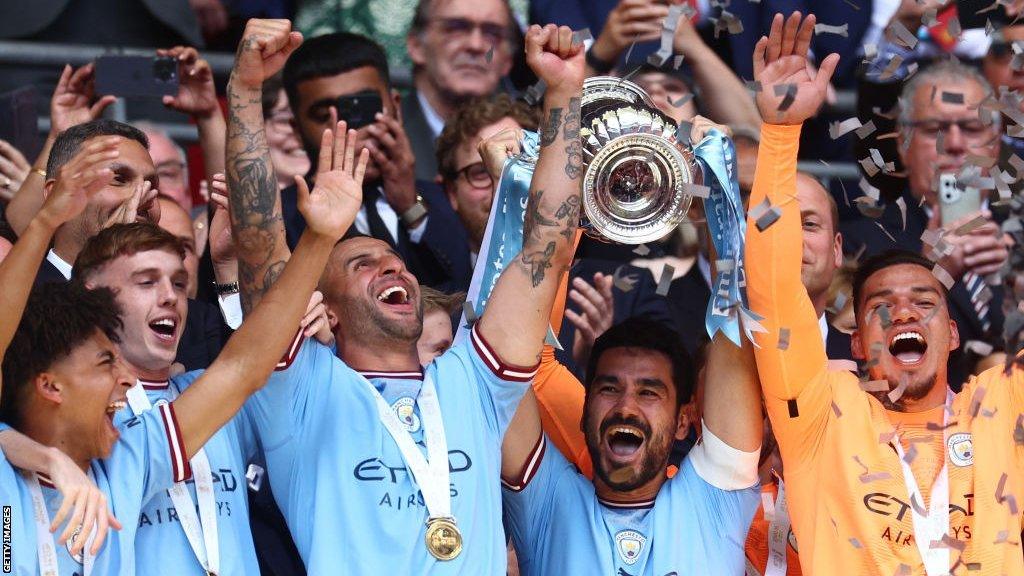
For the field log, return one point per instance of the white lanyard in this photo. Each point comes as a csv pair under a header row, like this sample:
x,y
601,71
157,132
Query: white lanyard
x,y
207,547
431,475
778,535
935,525
45,546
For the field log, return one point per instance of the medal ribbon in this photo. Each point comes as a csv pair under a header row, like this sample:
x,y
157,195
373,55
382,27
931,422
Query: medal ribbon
x,y
201,530
935,525
46,548
430,473
727,226
778,535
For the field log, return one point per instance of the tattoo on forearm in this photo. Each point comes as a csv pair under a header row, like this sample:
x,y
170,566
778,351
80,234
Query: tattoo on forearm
x,y
534,218
252,188
569,214
549,133
571,133
536,264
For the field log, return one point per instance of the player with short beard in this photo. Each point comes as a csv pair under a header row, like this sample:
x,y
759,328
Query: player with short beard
x,y
883,475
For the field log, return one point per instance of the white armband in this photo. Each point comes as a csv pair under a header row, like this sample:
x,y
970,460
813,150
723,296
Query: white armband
x,y
721,465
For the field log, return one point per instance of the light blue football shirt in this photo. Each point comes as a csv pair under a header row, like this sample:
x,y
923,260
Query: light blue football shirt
x,y
146,459
340,480
160,541
559,526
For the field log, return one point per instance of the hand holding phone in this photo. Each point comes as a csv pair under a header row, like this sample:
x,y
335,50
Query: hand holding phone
x,y
956,202
360,109
137,76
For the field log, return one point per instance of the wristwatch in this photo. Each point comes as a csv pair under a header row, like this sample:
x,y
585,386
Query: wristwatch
x,y
225,289
599,65
413,215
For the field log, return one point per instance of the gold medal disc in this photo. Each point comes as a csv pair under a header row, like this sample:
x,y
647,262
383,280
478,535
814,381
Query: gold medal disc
x,y
444,541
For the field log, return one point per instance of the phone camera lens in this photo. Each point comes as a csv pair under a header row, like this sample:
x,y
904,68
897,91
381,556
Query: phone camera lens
x,y
164,69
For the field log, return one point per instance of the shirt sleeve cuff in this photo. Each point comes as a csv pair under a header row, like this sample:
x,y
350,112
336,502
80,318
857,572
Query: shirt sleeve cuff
x,y
499,368
231,309
181,470
416,234
723,466
291,353
519,483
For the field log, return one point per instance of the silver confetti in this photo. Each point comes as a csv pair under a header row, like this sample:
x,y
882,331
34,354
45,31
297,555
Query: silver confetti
x,y
839,129
943,276
842,30
665,282
902,35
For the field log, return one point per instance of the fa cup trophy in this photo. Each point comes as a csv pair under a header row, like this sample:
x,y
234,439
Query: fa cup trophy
x,y
640,179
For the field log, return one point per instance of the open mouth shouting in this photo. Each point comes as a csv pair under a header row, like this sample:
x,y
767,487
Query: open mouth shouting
x,y
395,297
112,409
624,442
165,328
908,347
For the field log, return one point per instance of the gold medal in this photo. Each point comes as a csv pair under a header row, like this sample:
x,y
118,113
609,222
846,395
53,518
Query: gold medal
x,y
444,541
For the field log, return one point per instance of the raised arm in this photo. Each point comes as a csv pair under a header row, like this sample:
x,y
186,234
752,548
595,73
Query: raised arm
x,y
773,256
71,104
252,352
516,317
197,97
82,176
255,203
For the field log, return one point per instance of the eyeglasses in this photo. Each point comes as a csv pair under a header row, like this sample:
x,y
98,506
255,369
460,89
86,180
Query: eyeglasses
x,y
972,128
461,28
171,171
476,175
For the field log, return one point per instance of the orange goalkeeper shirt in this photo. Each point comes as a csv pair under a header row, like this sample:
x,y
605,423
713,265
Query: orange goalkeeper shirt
x,y
849,506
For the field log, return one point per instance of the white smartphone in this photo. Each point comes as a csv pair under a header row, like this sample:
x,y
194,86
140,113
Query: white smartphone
x,y
956,202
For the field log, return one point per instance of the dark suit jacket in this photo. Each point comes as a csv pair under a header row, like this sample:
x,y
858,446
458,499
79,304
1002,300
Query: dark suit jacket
x,y
837,346
204,335
688,298
640,301
864,232
420,137
440,259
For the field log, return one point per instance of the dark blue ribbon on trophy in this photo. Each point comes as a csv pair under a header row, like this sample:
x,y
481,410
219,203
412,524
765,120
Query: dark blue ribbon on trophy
x,y
503,237
728,308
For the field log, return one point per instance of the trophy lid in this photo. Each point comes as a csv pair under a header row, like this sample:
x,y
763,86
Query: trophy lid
x,y
607,89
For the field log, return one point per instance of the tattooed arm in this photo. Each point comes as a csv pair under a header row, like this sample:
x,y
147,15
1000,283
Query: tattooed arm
x,y
516,317
256,220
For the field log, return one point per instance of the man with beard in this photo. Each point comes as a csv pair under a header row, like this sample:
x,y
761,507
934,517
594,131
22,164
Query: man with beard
x,y
632,519
882,475
343,433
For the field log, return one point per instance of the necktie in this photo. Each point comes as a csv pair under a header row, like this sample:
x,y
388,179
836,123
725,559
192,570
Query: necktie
x,y
378,229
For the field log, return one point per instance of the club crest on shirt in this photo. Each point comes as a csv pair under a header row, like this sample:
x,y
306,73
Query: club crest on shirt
x,y
961,449
405,409
71,542
630,544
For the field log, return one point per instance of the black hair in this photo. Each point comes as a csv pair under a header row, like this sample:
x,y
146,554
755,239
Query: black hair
x,y
70,141
330,55
881,261
58,318
651,335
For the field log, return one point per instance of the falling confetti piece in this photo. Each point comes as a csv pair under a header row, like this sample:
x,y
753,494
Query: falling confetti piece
x,y
665,281
840,129
902,205
842,30
886,232
535,94
677,61
682,100
836,410
875,386
783,338
978,347
765,215
696,190
642,250
943,276
876,477
891,67
896,393
866,130
794,412
902,35
968,227
855,543
952,97
470,312
753,85
976,399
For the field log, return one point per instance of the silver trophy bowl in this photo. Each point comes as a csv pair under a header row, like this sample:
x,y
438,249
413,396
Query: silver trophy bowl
x,y
635,186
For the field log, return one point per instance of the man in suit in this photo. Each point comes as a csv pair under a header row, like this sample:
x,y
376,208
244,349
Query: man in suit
x,y
938,135
412,216
127,184
460,49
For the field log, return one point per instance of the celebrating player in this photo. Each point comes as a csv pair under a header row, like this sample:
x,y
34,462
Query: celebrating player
x,y
882,476
344,435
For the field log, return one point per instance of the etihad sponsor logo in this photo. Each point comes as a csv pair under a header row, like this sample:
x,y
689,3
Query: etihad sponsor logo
x,y
894,506
376,470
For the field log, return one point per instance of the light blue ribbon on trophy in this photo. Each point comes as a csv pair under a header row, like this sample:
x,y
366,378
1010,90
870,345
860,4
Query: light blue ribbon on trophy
x,y
503,237
728,308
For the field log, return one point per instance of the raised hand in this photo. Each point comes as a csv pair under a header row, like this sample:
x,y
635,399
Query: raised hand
x,y
85,503
263,50
84,175
555,58
630,21
498,148
315,323
197,95
70,104
13,170
785,74
701,127
597,312
332,206
391,151
140,205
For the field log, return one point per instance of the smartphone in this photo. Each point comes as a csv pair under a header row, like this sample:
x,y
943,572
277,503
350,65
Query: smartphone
x,y
136,76
18,120
956,202
359,109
